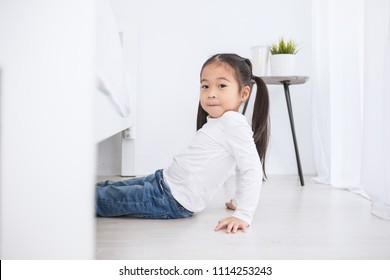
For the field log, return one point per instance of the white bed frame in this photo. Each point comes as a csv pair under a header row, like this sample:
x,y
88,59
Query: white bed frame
x,y
108,122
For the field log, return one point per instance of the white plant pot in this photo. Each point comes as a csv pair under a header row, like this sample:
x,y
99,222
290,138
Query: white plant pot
x,y
282,64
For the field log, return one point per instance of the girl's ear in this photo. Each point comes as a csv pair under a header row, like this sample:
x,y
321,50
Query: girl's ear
x,y
245,93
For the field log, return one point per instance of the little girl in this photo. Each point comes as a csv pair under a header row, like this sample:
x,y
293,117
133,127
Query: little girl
x,y
224,141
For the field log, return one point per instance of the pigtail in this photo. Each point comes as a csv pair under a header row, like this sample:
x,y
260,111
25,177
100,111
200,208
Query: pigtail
x,y
260,120
201,118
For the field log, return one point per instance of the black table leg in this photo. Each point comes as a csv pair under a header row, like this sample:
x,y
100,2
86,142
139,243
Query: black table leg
x,y
290,113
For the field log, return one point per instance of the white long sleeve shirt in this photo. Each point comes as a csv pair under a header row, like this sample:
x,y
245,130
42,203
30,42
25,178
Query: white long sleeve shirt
x,y
223,143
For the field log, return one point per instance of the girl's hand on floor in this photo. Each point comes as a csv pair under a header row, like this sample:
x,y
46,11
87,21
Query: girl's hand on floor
x,y
229,205
232,225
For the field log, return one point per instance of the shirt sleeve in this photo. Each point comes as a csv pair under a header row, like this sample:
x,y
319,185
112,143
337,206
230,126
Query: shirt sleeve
x,y
240,143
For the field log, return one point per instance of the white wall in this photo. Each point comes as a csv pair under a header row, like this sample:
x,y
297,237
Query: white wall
x,y
175,38
47,150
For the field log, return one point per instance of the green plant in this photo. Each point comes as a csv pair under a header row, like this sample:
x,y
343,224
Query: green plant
x,y
284,47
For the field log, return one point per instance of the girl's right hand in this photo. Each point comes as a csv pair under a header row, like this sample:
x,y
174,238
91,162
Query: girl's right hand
x,y
229,205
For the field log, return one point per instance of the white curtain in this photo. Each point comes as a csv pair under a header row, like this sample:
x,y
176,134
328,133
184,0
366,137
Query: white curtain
x,y
351,119
375,174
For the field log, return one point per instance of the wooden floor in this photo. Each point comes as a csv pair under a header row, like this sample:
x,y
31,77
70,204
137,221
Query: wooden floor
x,y
291,222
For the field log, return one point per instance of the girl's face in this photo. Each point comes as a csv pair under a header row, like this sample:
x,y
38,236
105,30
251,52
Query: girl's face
x,y
220,91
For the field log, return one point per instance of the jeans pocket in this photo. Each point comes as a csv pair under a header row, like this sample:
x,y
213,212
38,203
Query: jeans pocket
x,y
184,213
181,211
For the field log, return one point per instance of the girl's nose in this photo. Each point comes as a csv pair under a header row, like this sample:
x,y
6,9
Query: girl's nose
x,y
212,94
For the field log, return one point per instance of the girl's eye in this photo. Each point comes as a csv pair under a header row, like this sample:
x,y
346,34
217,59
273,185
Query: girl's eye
x,y
222,86
204,86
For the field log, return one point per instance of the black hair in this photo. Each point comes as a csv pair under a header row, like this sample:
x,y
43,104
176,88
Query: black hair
x,y
242,68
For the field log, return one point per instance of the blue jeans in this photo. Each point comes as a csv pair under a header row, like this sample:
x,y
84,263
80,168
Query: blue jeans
x,y
147,197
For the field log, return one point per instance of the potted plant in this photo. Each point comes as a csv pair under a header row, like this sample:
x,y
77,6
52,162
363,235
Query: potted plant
x,y
282,57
